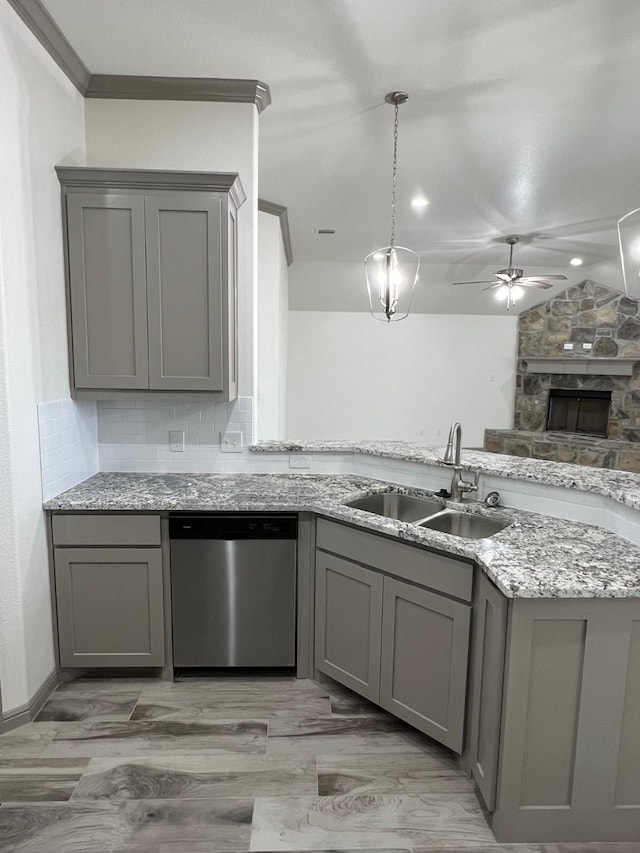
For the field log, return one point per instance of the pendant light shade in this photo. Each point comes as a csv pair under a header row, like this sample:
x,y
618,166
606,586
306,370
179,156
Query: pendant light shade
x,y
629,245
392,272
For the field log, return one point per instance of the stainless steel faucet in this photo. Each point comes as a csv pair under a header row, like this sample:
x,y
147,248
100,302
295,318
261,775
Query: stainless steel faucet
x,y
459,486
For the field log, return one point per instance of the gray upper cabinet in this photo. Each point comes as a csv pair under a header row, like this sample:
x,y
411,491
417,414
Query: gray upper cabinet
x,y
108,290
152,291
184,259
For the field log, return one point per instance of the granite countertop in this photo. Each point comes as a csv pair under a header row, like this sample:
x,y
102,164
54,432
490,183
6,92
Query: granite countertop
x,y
621,486
536,556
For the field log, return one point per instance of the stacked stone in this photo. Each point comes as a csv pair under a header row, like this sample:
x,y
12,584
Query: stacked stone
x,y
588,313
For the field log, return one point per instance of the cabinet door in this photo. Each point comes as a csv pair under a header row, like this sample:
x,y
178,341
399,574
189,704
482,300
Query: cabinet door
x,y
110,606
348,620
487,673
107,282
186,297
425,639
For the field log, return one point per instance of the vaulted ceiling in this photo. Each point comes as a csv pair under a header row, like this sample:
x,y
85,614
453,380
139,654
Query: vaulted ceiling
x,y
522,117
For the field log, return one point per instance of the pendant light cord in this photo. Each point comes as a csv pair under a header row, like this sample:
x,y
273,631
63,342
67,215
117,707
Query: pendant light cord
x,y
395,176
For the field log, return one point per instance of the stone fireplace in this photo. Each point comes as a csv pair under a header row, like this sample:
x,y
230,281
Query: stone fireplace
x,y
578,381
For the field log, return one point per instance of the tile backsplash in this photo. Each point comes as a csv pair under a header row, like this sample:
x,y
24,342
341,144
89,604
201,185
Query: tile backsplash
x,y
133,435
68,444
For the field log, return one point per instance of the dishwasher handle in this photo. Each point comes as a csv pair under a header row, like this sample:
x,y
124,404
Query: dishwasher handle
x,y
233,526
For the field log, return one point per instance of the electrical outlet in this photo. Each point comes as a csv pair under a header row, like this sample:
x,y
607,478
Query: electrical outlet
x,y
231,442
587,347
567,346
176,440
299,461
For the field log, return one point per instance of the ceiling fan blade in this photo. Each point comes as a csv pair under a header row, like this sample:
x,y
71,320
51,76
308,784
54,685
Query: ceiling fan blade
x,y
541,285
544,278
455,283
493,286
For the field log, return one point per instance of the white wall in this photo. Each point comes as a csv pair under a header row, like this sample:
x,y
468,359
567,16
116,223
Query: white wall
x,y
272,321
352,377
42,125
198,136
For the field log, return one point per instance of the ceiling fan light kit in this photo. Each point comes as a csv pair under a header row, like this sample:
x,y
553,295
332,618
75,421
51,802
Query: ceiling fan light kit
x,y
392,271
511,281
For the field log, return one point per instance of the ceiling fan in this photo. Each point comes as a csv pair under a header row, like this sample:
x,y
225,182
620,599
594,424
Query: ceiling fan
x,y
511,280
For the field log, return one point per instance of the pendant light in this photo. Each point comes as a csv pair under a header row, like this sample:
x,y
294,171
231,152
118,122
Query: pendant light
x,y
392,272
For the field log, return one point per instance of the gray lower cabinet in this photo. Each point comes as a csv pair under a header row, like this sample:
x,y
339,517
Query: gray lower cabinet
x,y
394,642
152,280
425,643
487,674
348,621
570,723
110,607
108,579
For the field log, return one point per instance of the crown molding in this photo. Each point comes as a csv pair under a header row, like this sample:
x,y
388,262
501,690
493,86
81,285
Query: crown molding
x,y
83,177
132,87
137,88
280,211
45,29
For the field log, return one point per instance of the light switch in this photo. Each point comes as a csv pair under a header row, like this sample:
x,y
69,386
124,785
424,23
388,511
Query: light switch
x,y
231,442
176,440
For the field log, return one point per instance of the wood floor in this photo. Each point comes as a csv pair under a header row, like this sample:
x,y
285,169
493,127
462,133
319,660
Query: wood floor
x,y
228,764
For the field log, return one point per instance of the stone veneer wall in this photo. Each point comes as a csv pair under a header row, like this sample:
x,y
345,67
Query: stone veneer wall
x,y
588,313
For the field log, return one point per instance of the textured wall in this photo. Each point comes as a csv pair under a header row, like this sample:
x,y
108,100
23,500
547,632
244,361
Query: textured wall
x,y
42,125
272,329
352,377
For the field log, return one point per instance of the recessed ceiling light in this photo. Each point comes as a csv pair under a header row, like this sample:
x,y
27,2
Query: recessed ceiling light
x,y
576,262
419,202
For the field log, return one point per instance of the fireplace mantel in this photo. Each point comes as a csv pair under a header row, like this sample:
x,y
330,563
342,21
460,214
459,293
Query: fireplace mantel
x,y
579,365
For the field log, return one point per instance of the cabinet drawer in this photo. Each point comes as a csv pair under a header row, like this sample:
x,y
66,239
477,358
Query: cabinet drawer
x,y
426,568
105,530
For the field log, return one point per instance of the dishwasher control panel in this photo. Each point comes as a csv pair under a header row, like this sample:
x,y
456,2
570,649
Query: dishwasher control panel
x,y
233,526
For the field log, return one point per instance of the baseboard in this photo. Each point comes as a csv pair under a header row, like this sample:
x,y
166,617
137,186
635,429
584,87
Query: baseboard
x,y
25,713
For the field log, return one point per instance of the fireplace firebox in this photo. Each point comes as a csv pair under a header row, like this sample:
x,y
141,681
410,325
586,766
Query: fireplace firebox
x,y
582,412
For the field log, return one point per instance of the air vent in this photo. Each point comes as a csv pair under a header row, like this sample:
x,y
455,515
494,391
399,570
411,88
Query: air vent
x,y
325,230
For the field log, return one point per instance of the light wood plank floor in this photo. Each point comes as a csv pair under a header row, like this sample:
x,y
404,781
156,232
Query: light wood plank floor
x,y
228,764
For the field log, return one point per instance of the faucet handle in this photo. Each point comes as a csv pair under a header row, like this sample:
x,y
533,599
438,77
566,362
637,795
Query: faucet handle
x,y
470,484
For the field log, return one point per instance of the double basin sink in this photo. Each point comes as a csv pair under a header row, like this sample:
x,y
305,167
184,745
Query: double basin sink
x,y
429,514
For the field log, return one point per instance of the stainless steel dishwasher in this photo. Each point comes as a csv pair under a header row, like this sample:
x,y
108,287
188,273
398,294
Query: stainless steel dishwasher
x,y
233,590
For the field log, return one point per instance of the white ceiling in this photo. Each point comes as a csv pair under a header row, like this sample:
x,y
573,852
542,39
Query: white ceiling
x,y
522,117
